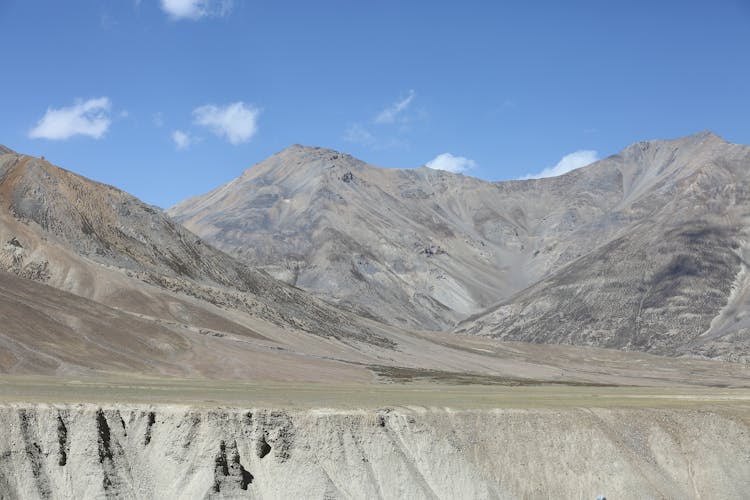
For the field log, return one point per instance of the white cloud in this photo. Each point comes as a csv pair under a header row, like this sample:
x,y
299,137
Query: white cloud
x,y
158,119
450,163
392,112
195,9
90,118
568,162
357,133
181,140
396,119
237,122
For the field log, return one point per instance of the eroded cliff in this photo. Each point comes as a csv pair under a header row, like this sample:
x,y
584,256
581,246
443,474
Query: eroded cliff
x,y
138,451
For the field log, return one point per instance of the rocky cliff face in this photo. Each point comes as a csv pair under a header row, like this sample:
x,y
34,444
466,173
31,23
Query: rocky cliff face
x,y
122,451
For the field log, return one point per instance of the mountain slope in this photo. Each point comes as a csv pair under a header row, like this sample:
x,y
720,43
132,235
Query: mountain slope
x,y
95,282
100,243
417,248
672,283
425,248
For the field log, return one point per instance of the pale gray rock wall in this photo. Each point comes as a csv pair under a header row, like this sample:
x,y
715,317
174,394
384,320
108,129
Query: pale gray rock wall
x,y
123,451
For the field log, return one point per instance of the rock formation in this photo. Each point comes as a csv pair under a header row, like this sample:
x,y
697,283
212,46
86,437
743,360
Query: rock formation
x,y
89,451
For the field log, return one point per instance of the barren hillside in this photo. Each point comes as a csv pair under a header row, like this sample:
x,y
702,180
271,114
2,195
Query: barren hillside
x,y
641,251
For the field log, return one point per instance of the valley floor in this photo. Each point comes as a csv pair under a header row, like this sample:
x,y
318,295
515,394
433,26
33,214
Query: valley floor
x,y
213,393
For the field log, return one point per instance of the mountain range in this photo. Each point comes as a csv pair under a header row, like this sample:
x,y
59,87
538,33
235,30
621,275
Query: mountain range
x,y
313,265
643,250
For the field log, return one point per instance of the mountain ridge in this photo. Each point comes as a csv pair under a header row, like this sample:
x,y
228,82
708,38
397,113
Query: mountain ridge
x,y
426,248
101,243
700,222
95,282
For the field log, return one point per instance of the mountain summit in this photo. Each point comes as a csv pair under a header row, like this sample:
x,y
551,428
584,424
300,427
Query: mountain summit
x,y
389,243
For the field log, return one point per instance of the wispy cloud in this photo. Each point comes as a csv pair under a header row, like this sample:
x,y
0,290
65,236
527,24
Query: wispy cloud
x,y
181,140
385,130
450,163
90,118
395,110
567,163
236,122
358,134
158,119
195,9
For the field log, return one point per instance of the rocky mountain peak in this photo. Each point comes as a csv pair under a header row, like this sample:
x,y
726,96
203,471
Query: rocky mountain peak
x,y
698,141
300,164
706,135
311,155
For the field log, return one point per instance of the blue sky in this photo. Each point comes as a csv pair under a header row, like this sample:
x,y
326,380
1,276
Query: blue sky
x,y
170,98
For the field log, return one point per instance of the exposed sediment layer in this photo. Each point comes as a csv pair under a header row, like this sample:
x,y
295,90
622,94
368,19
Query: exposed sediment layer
x,y
145,451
